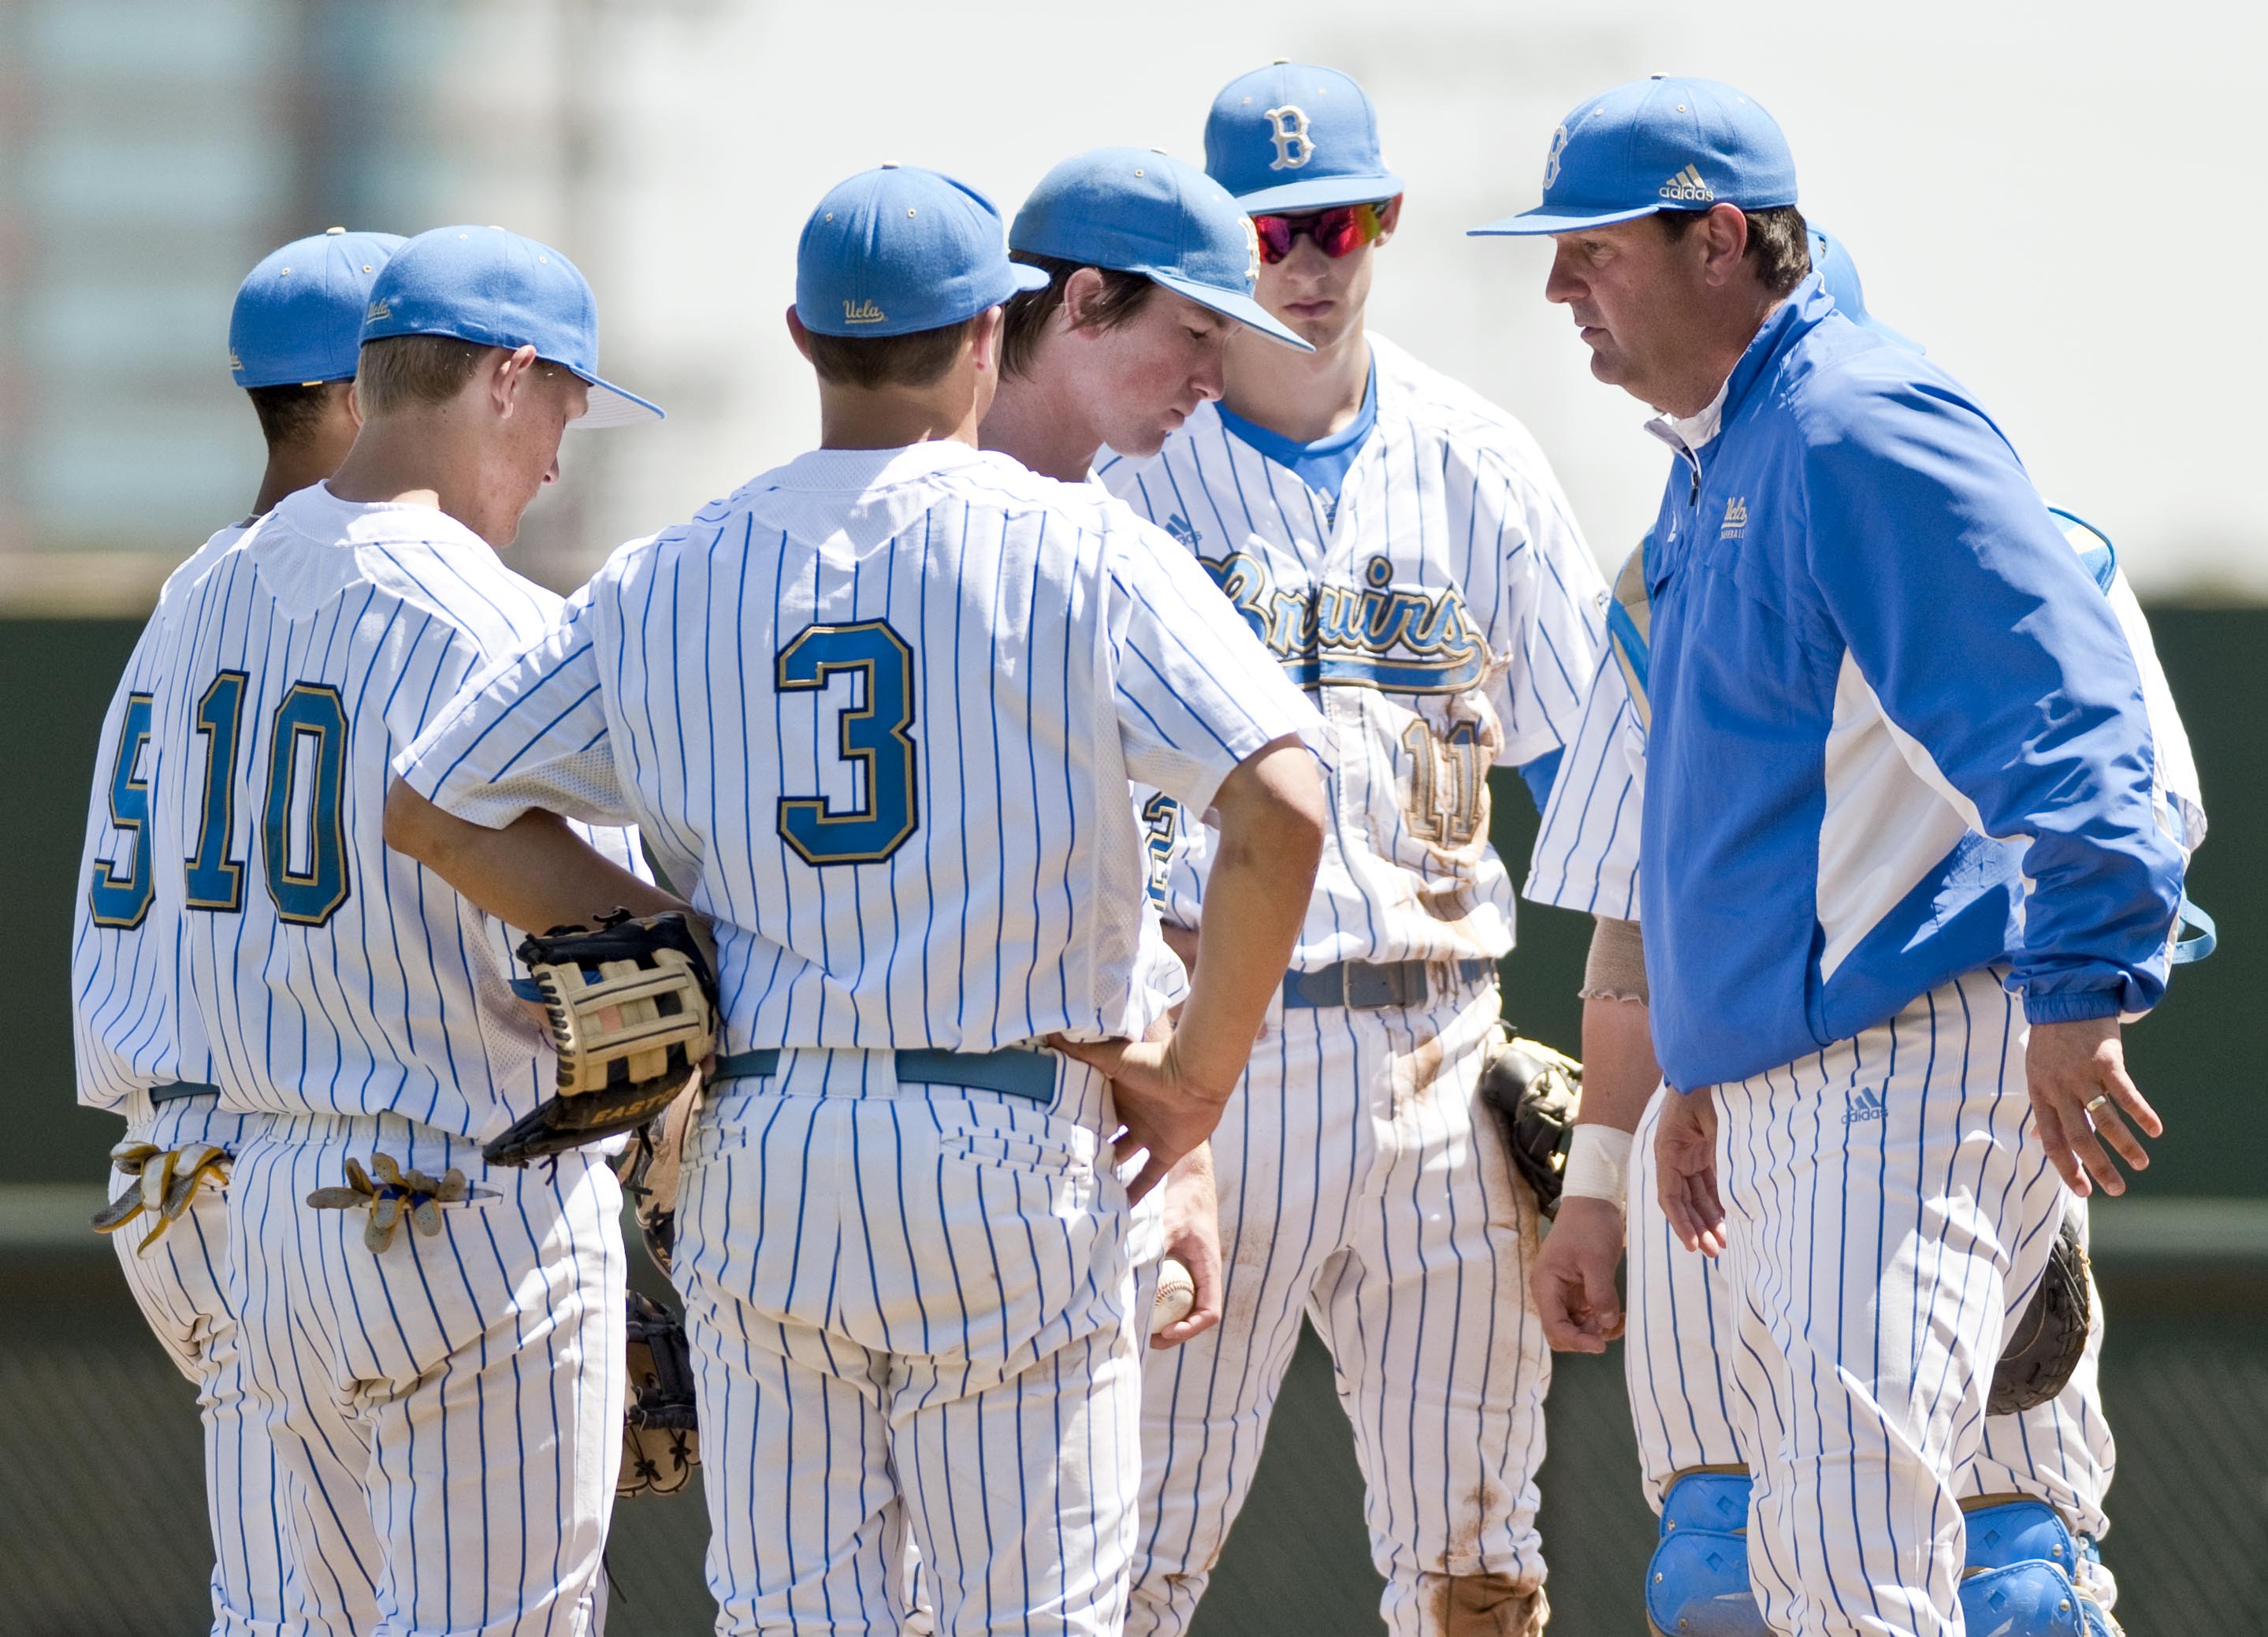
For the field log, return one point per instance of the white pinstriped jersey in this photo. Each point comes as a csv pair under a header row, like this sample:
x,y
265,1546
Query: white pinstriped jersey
x,y
1587,849
1443,613
328,974
877,711
124,1016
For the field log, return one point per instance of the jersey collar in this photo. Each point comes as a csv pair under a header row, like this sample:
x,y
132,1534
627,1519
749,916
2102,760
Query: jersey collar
x,y
854,471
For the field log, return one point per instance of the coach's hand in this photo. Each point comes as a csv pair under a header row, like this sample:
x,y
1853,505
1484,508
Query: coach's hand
x,y
1685,1157
1574,1277
1193,1239
2082,1099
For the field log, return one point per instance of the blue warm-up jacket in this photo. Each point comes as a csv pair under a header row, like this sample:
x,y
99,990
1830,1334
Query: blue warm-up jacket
x,y
1896,734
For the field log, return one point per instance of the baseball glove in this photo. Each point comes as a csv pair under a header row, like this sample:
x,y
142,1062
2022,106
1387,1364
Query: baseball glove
x,y
649,1170
1534,1092
661,1437
2044,1345
633,1009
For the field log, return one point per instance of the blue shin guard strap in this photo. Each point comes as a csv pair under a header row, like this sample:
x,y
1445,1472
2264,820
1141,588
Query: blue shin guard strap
x,y
1702,1498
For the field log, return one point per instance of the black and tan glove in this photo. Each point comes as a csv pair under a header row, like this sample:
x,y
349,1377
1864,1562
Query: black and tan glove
x,y
1534,1093
661,1435
2045,1344
633,1016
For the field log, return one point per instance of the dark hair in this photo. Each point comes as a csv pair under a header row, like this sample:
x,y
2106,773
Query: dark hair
x,y
395,372
1025,315
1780,243
917,358
292,415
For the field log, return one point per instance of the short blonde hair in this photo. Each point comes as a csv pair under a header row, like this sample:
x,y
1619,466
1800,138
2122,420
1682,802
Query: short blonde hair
x,y
396,372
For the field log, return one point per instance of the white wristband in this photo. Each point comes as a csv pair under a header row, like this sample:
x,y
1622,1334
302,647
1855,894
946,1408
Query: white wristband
x,y
1598,1165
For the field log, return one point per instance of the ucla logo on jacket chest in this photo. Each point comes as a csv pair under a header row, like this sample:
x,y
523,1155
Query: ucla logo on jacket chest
x,y
1396,638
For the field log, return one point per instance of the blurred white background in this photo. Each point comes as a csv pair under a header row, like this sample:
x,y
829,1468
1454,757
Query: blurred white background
x,y
2060,201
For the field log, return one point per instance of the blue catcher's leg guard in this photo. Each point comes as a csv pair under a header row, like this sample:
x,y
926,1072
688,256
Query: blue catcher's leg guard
x,y
2034,1599
1697,1582
2017,1581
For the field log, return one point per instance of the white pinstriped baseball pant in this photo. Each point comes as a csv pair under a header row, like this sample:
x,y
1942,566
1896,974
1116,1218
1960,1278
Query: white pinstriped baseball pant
x,y
452,1407
180,1284
1677,1360
912,1317
1361,1188
1887,1219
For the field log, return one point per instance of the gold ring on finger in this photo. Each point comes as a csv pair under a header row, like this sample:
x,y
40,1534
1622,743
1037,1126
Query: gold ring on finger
x,y
2099,1099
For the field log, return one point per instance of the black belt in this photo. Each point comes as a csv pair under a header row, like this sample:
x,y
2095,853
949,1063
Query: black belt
x,y
1366,986
182,1088
1013,1071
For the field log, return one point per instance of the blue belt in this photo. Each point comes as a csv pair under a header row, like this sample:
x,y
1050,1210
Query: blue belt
x,y
1366,986
183,1089
1013,1071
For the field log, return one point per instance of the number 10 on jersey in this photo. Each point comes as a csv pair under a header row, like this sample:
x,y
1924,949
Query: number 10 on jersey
x,y
873,733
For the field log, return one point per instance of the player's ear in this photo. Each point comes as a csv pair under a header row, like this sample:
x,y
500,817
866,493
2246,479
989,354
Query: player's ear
x,y
798,335
509,379
1081,292
1389,217
351,398
984,333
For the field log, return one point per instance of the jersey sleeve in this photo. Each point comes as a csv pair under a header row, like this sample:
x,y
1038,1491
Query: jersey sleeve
x,y
530,731
1196,691
1993,652
1587,848
1551,621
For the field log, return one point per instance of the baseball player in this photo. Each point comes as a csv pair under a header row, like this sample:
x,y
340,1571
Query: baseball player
x,y
1680,1340
877,711
1405,552
292,338
1900,771
1150,268
435,1346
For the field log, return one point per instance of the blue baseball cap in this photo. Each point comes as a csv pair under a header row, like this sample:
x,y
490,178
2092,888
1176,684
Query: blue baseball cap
x,y
1839,275
1291,137
496,289
1658,144
898,249
297,317
1142,211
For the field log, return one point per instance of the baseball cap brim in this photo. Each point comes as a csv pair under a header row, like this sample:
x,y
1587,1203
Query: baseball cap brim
x,y
1023,276
1228,304
1321,193
1562,219
611,406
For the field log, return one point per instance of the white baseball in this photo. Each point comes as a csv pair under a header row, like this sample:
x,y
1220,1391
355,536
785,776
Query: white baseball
x,y
1177,1294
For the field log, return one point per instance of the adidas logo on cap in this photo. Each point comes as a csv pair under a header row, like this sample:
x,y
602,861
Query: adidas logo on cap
x,y
1686,185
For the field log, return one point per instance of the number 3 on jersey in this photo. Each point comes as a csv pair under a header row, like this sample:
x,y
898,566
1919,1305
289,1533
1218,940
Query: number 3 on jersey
x,y
873,733
306,862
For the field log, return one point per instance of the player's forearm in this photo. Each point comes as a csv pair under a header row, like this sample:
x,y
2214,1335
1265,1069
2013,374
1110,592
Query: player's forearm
x,y
535,874
1271,816
1619,1072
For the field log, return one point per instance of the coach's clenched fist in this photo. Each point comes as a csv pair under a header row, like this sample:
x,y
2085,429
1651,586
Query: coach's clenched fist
x,y
1574,1277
